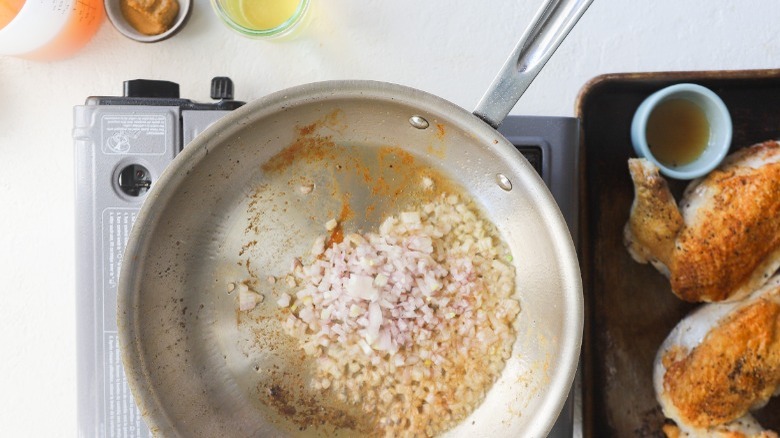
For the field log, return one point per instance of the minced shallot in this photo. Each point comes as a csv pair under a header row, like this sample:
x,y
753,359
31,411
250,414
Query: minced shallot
x,y
415,322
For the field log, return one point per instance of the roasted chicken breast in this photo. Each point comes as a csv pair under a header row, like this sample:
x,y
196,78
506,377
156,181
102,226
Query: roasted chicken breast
x,y
723,240
718,364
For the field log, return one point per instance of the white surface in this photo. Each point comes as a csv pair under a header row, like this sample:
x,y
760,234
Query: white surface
x,y
449,48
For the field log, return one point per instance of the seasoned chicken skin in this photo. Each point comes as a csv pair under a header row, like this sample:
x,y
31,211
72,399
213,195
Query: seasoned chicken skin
x,y
720,362
723,241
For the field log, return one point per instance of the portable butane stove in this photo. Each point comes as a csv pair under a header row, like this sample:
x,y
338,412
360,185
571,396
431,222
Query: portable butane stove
x,y
123,143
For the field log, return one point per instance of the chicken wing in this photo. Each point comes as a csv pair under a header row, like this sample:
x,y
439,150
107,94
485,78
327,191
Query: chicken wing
x,y
724,239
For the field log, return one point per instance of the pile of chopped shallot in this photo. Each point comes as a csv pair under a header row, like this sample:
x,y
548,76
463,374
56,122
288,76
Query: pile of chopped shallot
x,y
414,322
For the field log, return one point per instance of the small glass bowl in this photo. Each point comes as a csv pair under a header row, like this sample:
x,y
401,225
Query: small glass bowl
x,y
283,29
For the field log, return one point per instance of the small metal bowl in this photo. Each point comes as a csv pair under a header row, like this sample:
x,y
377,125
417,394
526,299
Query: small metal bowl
x,y
114,12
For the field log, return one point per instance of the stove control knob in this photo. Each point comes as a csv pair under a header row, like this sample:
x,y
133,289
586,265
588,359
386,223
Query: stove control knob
x,y
221,88
151,88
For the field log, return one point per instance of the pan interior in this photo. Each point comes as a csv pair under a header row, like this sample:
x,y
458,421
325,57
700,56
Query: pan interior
x,y
233,209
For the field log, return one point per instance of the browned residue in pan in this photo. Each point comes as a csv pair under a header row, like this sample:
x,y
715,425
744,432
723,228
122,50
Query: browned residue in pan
x,y
308,411
305,147
360,185
391,174
308,145
283,386
247,246
440,132
438,148
254,209
337,235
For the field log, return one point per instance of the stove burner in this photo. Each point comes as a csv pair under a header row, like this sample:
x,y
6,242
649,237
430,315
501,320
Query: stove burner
x,y
534,156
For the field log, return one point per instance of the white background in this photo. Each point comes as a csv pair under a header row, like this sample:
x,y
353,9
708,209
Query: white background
x,y
451,48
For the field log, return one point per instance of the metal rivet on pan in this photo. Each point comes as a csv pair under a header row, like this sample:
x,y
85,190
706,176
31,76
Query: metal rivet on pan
x,y
418,122
504,182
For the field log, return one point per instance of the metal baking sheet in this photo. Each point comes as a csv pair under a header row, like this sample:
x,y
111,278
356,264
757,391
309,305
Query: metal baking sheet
x,y
629,308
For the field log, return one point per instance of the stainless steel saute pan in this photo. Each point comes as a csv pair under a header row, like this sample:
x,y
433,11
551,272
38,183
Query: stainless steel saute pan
x,y
229,208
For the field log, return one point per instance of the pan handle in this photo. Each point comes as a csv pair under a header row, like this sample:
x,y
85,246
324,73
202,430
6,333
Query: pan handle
x,y
548,29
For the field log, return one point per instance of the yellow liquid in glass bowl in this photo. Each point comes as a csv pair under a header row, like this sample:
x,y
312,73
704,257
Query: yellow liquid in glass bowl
x,y
261,14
